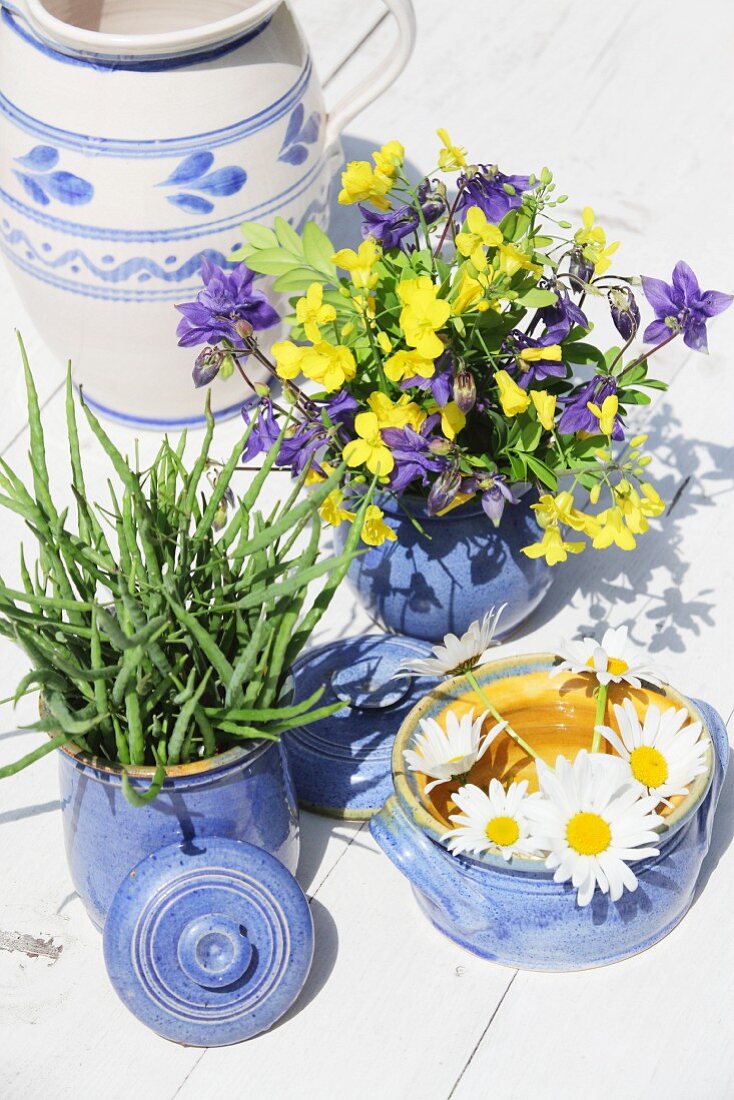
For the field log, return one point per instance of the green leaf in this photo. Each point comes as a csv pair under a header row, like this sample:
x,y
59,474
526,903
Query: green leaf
x,y
537,298
142,798
542,472
261,236
318,249
288,237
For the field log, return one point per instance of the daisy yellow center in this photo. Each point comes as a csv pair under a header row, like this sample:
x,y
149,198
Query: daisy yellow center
x,y
502,831
649,766
615,665
588,834
455,759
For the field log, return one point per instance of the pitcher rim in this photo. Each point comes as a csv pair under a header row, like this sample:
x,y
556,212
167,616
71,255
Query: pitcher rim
x,y
84,42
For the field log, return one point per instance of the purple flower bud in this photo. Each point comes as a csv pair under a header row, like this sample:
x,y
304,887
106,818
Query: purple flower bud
x,y
444,489
579,266
440,446
625,311
244,329
207,366
465,391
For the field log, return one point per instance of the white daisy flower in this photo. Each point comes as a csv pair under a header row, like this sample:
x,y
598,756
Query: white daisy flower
x,y
445,754
458,654
612,661
663,755
592,827
493,819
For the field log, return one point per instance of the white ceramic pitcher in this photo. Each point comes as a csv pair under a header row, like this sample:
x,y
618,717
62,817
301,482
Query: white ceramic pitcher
x,y
137,135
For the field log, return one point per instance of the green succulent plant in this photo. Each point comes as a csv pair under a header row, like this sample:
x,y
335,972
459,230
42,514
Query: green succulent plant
x,y
162,628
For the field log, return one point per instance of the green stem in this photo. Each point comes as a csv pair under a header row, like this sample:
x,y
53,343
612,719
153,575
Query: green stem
x,y
601,708
471,679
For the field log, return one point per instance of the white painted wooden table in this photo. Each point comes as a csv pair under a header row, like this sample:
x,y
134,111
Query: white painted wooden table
x,y
628,103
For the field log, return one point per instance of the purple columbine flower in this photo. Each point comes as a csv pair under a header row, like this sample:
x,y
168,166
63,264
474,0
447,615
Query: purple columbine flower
x,y
207,366
227,297
681,306
341,409
578,417
560,318
265,431
411,450
625,311
496,493
486,189
391,227
440,386
535,370
444,490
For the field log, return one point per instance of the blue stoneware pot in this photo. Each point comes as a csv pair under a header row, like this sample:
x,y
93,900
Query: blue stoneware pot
x,y
429,584
513,912
243,794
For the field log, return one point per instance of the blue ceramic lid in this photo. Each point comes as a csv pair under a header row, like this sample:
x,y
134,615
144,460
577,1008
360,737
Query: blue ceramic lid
x,y
209,943
341,764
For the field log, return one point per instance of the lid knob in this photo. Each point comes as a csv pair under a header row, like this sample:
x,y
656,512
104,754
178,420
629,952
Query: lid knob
x,y
214,951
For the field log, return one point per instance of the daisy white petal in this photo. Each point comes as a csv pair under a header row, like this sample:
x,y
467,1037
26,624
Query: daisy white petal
x,y
492,820
457,655
611,661
449,751
592,825
662,754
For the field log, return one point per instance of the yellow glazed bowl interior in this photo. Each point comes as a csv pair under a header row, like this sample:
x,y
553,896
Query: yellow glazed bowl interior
x,y
554,715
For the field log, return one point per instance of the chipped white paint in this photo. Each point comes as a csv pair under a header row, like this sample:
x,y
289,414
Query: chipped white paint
x,y
629,104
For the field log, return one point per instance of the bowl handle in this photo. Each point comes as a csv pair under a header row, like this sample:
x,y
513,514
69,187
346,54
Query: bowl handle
x,y
373,85
428,867
715,725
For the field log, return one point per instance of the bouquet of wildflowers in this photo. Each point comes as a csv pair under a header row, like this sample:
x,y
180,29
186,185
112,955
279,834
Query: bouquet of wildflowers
x,y
451,354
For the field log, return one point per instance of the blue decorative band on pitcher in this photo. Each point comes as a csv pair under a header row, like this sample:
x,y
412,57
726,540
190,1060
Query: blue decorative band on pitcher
x,y
159,147
148,64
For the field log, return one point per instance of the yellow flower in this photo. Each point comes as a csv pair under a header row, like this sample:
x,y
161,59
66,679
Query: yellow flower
x,y
369,449
311,312
408,364
375,531
611,529
545,407
459,499
593,239
385,343
288,358
361,183
513,398
471,242
360,264
607,414
329,365
452,157
552,547
467,292
395,414
651,503
550,511
313,477
533,355
512,259
422,315
452,420
331,510
389,158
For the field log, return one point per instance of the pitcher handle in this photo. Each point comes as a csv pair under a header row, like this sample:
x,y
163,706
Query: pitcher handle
x,y
373,85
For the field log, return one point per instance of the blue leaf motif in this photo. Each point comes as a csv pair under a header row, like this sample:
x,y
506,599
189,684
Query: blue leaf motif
x,y
225,181
192,204
68,188
192,168
310,131
34,189
294,125
295,155
42,158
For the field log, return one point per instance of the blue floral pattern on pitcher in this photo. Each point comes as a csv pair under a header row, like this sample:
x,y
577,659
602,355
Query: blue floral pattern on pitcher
x,y
299,135
42,182
193,174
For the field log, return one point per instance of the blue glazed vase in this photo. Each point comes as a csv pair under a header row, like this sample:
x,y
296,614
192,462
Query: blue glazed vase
x,y
244,794
427,584
513,912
